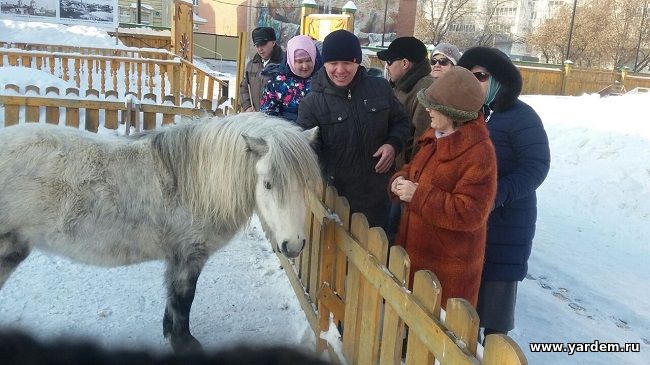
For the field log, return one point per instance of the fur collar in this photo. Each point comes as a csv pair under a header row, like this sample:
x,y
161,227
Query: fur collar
x,y
501,68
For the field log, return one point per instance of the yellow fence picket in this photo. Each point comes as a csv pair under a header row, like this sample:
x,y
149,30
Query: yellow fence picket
x,y
461,318
110,116
148,118
342,210
11,111
354,287
372,304
92,114
52,112
399,265
502,350
426,288
72,114
32,112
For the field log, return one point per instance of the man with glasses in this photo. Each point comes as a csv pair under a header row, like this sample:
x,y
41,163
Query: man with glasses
x,y
253,82
409,72
443,58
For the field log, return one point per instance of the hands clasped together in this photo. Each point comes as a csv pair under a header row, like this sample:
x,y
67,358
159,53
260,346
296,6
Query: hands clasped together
x,y
404,189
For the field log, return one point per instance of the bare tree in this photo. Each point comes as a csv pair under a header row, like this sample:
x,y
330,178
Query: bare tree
x,y
492,24
438,16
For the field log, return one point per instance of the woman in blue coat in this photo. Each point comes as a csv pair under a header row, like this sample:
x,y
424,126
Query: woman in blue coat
x,y
523,161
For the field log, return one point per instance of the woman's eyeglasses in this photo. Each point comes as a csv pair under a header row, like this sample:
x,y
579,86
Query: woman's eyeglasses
x,y
441,61
481,76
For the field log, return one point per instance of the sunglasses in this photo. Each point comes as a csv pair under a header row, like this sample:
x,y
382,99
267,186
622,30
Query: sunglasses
x,y
441,61
481,76
392,61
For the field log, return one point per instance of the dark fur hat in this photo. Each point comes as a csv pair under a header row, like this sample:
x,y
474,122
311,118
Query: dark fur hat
x,y
499,65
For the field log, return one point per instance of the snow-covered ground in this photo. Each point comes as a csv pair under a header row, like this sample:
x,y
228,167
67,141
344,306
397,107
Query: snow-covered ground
x,y
588,276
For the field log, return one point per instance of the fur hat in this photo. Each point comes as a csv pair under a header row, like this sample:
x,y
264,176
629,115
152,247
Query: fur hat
x,y
456,94
410,48
341,45
499,65
448,50
262,35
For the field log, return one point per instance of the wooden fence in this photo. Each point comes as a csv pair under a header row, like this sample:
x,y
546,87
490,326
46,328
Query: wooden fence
x,y
123,71
73,109
347,276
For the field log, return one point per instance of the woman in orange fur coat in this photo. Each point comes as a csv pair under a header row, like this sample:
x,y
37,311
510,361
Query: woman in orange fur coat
x,y
449,187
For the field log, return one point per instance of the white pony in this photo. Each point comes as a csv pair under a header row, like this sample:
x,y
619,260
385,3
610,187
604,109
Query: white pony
x,y
176,194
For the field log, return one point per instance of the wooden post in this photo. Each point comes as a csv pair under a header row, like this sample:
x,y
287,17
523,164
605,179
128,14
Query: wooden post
x,y
92,115
206,104
566,76
355,286
461,318
241,66
393,332
183,29
11,111
168,118
502,350
342,209
72,114
149,119
426,288
175,80
307,7
372,306
32,112
110,116
52,112
350,9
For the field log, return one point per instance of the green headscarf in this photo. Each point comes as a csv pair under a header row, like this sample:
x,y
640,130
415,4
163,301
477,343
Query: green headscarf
x,y
493,88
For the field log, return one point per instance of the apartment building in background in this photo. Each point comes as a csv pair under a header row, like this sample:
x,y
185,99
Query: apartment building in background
x,y
504,24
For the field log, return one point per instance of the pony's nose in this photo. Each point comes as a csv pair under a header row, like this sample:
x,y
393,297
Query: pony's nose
x,y
284,247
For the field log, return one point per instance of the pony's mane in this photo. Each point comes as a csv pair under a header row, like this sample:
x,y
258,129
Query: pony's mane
x,y
213,172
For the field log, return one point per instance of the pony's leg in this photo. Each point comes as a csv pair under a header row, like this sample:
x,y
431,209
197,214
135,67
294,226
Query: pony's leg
x,y
181,276
12,252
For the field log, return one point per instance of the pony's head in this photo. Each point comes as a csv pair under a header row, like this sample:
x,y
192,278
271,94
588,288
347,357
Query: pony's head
x,y
285,163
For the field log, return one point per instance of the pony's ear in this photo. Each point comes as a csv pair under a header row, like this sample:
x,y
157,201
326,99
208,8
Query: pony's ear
x,y
258,146
311,134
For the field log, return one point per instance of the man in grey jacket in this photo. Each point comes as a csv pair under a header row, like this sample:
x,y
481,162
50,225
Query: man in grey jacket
x,y
362,127
253,82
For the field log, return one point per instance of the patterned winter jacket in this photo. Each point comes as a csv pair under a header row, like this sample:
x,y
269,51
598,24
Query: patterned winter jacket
x,y
285,90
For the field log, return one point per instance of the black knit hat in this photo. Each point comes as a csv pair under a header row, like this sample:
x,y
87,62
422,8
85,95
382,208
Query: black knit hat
x,y
262,35
341,45
499,65
410,48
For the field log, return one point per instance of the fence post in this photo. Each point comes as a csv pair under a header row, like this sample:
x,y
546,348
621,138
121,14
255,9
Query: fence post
x,y
565,76
427,289
110,121
168,118
502,350
11,111
32,113
52,112
92,115
463,321
393,332
149,119
72,114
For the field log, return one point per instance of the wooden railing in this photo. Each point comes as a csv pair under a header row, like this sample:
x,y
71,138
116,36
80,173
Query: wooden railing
x,y
69,108
95,69
97,51
347,270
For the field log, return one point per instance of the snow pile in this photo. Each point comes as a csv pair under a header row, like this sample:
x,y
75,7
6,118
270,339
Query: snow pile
x,y
14,31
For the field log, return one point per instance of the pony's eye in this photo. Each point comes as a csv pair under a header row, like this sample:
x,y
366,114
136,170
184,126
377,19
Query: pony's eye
x,y
267,185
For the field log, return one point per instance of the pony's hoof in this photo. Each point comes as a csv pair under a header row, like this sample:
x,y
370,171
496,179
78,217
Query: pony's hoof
x,y
185,344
